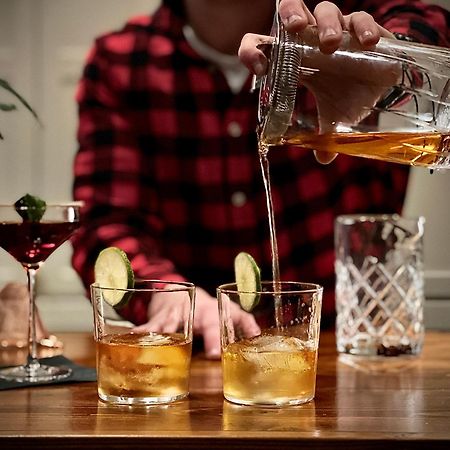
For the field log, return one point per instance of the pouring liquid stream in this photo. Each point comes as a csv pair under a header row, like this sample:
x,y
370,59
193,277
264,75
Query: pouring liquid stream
x,y
263,151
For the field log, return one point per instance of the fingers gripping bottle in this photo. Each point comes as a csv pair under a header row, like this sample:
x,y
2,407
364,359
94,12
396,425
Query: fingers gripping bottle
x,y
389,102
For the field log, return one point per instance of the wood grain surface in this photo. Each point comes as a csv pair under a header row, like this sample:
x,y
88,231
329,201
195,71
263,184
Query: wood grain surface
x,y
395,406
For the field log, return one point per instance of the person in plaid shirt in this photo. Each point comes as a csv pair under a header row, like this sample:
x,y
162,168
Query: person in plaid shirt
x,y
168,166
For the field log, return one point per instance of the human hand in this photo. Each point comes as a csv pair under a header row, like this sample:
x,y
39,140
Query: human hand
x,y
330,24
165,317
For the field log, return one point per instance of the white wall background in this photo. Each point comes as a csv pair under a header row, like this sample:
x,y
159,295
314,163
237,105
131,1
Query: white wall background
x,y
43,45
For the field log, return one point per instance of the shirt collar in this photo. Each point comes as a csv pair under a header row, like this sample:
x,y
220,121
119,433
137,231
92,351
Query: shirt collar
x,y
234,71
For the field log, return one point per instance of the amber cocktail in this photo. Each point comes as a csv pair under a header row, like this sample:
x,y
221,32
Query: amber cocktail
x,y
277,366
143,365
269,369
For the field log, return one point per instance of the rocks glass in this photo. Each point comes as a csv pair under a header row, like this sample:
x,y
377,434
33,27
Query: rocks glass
x,y
147,364
274,362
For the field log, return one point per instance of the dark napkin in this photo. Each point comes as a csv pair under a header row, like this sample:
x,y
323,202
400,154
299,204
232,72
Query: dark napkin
x,y
79,374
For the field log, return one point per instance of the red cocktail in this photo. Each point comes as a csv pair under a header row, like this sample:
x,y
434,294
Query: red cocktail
x,y
31,234
31,243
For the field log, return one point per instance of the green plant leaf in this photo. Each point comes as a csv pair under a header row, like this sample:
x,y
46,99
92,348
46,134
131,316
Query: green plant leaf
x,y
7,107
5,85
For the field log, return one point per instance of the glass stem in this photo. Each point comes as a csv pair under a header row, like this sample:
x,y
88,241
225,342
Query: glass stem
x,y
32,361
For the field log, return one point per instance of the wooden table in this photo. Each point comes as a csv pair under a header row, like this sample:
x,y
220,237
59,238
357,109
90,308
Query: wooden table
x,y
401,408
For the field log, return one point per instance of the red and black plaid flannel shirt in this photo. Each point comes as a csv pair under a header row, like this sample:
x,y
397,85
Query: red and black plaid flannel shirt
x,y
169,171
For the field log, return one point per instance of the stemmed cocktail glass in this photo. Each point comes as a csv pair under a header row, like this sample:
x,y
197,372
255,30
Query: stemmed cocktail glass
x,y
31,233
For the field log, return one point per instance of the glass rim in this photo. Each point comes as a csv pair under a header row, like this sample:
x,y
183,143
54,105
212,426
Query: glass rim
x,y
308,288
183,286
47,205
349,219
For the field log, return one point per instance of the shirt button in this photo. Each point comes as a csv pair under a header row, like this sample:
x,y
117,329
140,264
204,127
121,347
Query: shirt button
x,y
238,199
234,129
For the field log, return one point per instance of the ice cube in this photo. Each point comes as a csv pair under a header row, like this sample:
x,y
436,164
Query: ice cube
x,y
153,339
164,351
270,353
269,343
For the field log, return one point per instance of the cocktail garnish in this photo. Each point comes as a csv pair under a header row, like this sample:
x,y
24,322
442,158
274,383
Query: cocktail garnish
x,y
248,280
113,270
30,207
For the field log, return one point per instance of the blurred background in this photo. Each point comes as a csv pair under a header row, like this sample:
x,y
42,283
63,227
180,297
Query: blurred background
x,y
43,46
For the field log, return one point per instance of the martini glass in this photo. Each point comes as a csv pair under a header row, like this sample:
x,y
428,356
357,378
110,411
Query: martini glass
x,y
31,243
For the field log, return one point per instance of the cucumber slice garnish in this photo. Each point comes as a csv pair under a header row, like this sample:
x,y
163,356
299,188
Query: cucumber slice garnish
x,y
113,270
248,280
